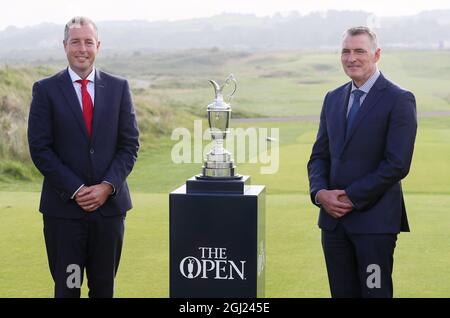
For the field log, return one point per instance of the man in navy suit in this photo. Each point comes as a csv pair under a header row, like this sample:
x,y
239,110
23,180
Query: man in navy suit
x,y
363,150
83,138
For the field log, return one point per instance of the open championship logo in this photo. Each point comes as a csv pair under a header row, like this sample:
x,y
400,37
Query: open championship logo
x,y
213,263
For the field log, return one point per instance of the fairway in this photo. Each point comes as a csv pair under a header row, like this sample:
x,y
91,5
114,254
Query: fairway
x,y
271,84
295,265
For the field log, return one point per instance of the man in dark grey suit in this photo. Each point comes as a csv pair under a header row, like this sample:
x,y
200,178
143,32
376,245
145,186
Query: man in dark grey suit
x,y
363,150
83,138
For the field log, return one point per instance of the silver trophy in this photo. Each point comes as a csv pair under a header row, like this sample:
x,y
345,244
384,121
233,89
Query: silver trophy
x,y
218,163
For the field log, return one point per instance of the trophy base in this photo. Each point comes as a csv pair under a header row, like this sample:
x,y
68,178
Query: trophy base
x,y
219,170
203,177
202,184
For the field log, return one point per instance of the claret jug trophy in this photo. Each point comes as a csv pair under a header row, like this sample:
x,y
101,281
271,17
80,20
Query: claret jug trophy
x,y
219,163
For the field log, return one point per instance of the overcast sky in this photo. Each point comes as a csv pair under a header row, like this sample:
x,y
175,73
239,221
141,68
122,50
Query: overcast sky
x,y
29,12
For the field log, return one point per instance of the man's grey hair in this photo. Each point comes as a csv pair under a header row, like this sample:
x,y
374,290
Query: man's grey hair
x,y
363,30
78,21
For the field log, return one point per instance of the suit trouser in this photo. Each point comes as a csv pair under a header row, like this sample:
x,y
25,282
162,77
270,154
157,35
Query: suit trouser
x,y
359,265
94,243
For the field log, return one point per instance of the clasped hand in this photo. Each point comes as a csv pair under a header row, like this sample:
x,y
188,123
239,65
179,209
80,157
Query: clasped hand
x,y
335,202
93,197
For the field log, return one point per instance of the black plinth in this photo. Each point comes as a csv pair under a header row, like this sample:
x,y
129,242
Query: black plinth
x,y
217,240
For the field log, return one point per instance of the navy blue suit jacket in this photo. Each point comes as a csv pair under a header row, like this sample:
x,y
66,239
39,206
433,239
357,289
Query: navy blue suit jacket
x,y
67,157
370,164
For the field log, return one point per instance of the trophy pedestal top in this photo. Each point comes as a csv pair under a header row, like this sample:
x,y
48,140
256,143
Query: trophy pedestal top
x,y
224,178
201,184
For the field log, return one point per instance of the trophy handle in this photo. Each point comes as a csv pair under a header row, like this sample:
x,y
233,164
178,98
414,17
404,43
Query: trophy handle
x,y
219,88
227,81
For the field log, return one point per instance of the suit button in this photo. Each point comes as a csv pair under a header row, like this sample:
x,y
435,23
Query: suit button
x,y
91,151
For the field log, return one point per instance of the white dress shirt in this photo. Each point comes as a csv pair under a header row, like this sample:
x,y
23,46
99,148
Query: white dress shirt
x,y
77,86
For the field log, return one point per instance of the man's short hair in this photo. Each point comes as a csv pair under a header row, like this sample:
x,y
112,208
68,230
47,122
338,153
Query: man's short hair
x,y
363,30
78,21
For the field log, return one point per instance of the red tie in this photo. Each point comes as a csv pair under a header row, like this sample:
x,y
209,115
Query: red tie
x,y
88,107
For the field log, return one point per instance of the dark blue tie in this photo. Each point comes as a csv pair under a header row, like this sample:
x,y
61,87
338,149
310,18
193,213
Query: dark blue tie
x,y
354,110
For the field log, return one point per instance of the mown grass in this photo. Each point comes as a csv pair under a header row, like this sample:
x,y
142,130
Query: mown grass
x,y
171,94
295,265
